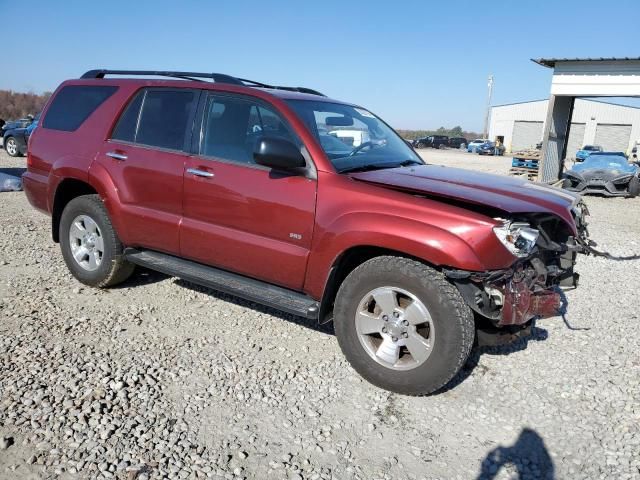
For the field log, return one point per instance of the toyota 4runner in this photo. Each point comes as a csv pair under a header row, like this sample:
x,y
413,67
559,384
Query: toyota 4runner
x,y
246,188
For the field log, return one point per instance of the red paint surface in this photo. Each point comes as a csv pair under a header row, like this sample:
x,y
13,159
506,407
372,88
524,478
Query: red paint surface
x,y
243,218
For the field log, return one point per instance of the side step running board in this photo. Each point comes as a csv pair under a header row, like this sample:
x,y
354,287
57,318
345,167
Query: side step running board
x,y
248,288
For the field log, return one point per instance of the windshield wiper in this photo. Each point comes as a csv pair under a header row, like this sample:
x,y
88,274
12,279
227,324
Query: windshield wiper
x,y
379,166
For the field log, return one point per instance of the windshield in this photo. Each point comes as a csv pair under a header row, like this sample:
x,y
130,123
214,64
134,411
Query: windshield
x,y
591,148
606,162
353,138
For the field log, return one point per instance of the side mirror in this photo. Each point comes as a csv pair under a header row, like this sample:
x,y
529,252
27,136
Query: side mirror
x,y
278,153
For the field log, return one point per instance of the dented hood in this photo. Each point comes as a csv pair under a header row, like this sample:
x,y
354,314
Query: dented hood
x,y
509,194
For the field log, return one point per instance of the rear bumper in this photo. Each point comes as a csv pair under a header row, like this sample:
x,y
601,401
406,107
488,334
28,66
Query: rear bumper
x,y
35,187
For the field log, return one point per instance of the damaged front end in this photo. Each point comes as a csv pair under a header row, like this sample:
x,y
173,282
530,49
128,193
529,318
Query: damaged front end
x,y
545,248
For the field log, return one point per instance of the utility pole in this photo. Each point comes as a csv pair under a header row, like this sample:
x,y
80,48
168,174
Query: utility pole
x,y
486,117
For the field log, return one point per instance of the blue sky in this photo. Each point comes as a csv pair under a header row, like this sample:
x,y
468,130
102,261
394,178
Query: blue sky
x,y
416,64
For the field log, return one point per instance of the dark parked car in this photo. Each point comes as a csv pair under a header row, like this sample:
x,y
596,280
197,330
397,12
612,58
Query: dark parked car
x,y
15,140
605,173
233,185
433,141
457,142
489,148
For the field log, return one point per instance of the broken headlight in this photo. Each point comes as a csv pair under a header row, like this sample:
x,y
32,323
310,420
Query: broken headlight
x,y
518,237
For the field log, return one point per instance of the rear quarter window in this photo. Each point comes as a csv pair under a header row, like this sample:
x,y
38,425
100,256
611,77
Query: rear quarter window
x,y
73,104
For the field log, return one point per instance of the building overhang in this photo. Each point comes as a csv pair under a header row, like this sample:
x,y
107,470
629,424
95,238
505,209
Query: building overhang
x,y
594,77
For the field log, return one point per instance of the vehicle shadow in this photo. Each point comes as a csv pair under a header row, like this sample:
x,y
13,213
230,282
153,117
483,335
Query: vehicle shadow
x,y
304,322
13,171
528,457
144,276
537,335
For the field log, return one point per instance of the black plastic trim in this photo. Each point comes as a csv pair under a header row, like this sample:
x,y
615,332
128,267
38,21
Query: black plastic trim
x,y
250,289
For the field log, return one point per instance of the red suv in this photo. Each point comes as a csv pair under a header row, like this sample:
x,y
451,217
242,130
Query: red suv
x,y
313,206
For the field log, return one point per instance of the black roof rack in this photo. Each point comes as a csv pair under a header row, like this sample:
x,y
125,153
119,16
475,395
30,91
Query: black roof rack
x,y
197,77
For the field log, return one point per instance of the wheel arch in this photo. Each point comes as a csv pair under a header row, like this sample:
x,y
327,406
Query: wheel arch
x,y
348,261
66,190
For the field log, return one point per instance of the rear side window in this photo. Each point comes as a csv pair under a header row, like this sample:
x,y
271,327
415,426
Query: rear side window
x,y
157,118
126,128
73,104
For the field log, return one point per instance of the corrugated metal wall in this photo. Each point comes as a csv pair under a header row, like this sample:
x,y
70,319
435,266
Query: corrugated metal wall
x,y
576,139
526,135
587,112
613,138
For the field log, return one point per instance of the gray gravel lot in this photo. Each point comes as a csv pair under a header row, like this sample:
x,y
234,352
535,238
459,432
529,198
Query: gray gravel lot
x,y
159,378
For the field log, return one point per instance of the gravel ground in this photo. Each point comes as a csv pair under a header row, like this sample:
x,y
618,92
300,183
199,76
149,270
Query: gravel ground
x,y
159,378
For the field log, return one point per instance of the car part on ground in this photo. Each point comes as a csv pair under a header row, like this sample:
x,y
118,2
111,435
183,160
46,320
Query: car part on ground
x,y
9,183
321,210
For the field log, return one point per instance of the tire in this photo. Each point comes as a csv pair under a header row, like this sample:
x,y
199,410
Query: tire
x,y
109,266
11,147
450,327
634,187
420,145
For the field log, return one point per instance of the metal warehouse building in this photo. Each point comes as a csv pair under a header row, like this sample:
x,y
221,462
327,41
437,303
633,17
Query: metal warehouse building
x,y
614,127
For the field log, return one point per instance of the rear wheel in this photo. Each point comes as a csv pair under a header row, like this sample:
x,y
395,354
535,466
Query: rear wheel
x,y
90,247
402,326
11,146
634,187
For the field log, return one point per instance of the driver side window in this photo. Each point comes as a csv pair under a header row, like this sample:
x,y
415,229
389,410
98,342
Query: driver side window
x,y
231,127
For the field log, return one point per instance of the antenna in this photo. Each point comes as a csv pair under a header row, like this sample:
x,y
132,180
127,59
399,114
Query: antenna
x,y
486,117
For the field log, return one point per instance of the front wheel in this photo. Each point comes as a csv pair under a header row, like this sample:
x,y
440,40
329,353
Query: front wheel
x,y
11,147
402,326
90,247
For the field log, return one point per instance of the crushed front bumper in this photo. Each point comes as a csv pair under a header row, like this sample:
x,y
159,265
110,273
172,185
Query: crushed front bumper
x,y
527,291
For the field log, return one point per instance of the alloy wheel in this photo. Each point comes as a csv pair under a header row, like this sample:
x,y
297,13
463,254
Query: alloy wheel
x,y
86,241
395,328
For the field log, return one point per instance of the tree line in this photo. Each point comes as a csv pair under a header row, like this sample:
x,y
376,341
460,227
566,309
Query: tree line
x,y
456,131
15,105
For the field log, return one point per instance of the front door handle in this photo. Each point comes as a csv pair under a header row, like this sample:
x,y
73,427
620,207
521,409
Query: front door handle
x,y
117,156
199,173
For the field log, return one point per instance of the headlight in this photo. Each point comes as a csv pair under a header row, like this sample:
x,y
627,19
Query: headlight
x,y
518,237
623,179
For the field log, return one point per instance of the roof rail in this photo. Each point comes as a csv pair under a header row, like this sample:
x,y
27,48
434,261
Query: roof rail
x,y
216,77
197,77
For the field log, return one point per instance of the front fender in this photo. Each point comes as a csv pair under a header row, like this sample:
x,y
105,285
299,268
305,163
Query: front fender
x,y
469,247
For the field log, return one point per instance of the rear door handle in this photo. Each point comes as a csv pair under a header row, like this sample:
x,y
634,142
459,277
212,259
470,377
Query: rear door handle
x,y
200,173
117,156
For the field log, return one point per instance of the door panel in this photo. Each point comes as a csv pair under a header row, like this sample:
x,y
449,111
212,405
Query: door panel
x,y
149,184
248,220
146,158
239,215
